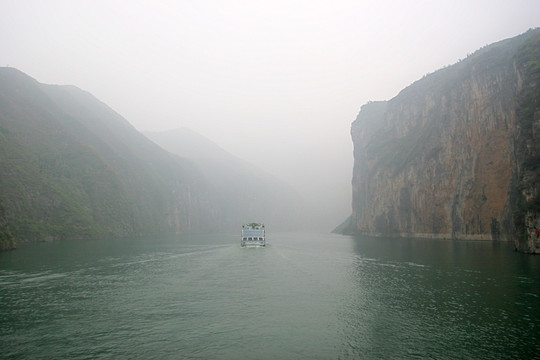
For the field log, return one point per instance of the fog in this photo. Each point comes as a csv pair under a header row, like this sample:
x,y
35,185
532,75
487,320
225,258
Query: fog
x,y
276,83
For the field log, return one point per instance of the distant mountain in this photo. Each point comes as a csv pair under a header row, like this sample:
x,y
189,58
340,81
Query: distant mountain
x,y
244,192
70,167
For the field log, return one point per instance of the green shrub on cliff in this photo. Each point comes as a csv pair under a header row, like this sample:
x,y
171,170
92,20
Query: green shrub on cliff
x,y
527,62
7,240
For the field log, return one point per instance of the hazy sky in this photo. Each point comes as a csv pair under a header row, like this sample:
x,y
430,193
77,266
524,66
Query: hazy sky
x,y
272,81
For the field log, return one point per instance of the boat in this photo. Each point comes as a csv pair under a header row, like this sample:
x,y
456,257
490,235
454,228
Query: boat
x,y
253,234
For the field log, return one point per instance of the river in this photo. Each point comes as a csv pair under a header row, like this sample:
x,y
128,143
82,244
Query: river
x,y
304,296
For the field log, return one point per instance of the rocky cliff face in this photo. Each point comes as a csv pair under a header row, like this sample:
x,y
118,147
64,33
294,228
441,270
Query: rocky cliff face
x,y
447,157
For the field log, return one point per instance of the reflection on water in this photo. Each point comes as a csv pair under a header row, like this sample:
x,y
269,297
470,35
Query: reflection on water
x,y
442,299
303,296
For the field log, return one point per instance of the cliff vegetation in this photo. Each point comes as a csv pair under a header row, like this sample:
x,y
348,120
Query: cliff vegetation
x,y
7,240
527,208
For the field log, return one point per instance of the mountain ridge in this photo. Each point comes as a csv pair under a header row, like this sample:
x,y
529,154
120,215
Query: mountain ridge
x,y
73,168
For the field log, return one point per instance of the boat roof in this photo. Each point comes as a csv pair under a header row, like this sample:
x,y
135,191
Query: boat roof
x,y
253,225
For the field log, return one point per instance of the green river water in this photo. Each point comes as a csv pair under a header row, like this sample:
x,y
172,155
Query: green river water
x,y
304,296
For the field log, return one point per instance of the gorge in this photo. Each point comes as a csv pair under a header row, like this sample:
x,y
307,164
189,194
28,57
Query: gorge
x,y
455,155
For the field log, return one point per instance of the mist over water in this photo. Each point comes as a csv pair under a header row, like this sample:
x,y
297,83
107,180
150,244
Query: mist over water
x,y
304,296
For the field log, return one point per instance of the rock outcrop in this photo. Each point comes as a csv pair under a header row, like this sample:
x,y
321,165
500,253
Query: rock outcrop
x,y
455,154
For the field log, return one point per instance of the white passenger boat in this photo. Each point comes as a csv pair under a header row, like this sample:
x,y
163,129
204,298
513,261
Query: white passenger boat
x,y
253,234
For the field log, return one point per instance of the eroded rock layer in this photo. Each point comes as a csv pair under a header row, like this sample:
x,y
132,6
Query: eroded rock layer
x,y
454,154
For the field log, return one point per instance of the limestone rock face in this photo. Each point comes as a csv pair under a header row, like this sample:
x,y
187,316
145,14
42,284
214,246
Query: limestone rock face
x,y
444,157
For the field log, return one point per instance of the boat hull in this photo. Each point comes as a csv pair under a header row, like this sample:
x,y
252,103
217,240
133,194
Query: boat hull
x,y
253,243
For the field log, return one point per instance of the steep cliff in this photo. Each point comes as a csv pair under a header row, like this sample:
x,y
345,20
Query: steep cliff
x,y
454,154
